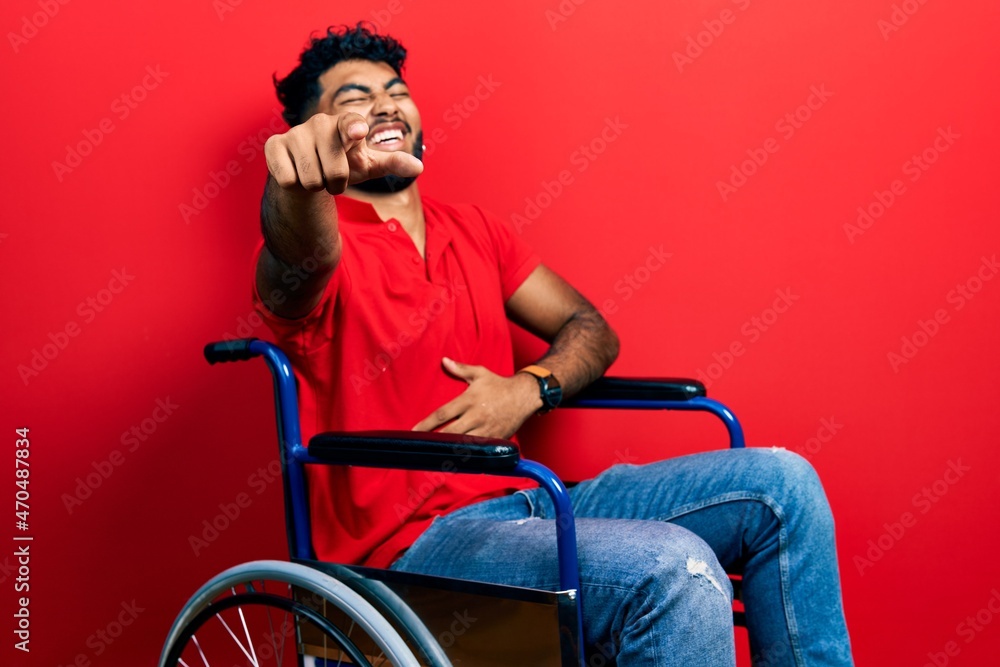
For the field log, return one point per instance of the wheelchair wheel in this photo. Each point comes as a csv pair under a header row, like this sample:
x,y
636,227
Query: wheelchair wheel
x,y
391,607
280,613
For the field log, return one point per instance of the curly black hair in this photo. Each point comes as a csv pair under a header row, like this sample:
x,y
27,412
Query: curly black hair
x,y
300,89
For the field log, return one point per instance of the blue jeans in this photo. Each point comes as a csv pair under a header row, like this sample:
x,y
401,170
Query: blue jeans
x,y
655,542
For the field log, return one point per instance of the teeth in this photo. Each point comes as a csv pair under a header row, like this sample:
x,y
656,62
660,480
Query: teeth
x,y
387,135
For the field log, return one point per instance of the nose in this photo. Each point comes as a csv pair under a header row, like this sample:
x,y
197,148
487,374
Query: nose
x,y
384,105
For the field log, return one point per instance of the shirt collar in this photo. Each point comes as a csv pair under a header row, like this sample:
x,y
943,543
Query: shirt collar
x,y
355,210
437,233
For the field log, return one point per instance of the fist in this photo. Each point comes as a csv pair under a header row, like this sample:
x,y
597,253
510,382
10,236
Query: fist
x,y
330,153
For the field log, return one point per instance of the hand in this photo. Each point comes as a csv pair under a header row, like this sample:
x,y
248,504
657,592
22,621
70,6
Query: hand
x,y
331,152
493,406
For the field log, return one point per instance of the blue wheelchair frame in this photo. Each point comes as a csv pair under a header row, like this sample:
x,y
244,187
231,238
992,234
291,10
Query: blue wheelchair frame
x,y
465,454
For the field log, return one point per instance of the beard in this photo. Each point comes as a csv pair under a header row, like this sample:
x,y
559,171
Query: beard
x,y
391,182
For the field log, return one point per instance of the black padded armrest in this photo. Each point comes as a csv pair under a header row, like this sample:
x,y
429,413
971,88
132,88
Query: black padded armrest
x,y
415,450
639,389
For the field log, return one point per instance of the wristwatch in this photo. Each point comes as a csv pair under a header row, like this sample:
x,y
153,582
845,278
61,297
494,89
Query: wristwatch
x,y
551,391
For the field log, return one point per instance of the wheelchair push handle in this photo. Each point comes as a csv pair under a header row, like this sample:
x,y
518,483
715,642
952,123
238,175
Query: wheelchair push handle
x,y
230,350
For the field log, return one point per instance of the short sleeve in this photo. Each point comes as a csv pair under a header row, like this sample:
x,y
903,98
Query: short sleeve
x,y
516,259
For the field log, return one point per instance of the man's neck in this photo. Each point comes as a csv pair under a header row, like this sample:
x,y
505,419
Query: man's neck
x,y
404,205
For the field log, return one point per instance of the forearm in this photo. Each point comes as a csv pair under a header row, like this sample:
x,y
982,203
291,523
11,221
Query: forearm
x,y
582,350
302,247
299,224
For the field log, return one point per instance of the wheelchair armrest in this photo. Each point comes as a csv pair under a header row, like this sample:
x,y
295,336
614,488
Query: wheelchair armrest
x,y
416,450
637,389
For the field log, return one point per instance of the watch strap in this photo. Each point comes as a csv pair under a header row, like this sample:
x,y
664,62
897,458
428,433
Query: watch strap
x,y
537,371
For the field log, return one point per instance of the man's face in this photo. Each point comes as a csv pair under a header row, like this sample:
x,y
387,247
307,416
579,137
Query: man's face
x,y
375,92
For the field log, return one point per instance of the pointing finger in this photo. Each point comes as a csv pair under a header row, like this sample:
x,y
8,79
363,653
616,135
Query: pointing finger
x,y
352,129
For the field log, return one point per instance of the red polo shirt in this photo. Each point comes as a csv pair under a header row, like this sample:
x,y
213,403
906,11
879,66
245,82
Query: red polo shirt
x,y
368,356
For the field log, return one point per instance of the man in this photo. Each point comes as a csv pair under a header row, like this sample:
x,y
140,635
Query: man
x,y
393,308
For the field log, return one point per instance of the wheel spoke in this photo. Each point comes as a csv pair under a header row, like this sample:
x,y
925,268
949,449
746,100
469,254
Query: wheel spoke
x,y
270,625
235,639
340,659
200,652
326,616
283,621
246,632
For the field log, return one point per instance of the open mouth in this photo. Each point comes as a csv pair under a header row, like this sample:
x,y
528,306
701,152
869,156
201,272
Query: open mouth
x,y
388,136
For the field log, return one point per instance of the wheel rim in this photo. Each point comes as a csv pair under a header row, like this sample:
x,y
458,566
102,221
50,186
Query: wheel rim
x,y
279,613
337,638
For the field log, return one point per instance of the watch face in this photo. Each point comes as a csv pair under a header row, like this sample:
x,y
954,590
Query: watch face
x,y
556,394
551,392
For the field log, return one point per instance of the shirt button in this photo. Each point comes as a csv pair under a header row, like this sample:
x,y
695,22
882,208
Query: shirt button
x,y
391,226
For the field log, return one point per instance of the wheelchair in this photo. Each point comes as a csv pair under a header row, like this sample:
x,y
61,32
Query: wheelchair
x,y
316,614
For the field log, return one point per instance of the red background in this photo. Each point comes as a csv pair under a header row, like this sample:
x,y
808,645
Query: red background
x,y
560,76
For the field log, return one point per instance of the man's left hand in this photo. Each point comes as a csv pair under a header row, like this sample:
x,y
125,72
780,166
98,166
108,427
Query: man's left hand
x,y
493,406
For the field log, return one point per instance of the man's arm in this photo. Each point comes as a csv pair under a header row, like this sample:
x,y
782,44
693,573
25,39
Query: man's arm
x,y
582,347
306,165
